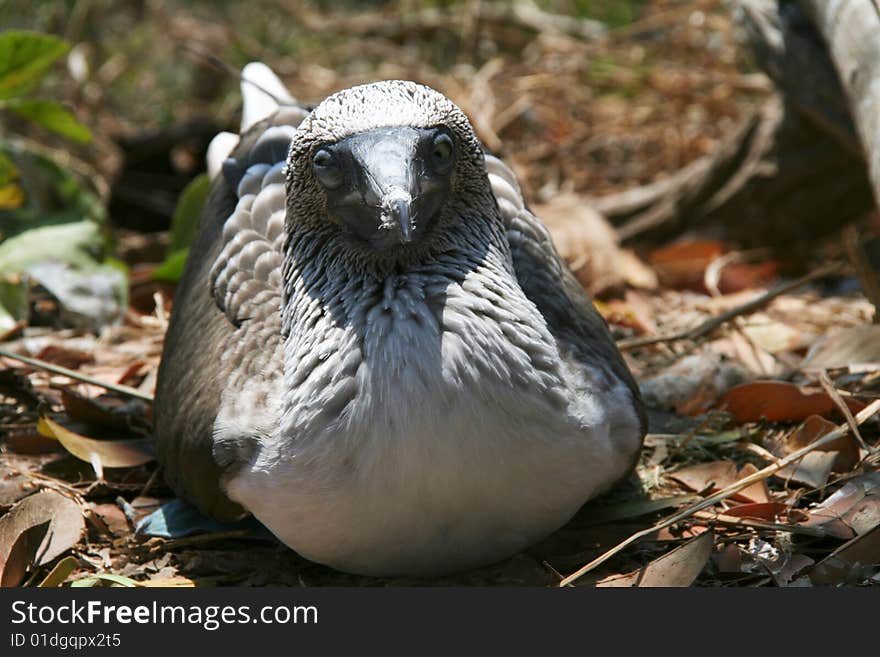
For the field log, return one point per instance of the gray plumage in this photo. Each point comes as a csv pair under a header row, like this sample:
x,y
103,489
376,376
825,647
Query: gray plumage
x,y
386,402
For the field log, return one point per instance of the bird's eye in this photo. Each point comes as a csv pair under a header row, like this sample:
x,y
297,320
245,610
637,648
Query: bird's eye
x,y
442,151
327,169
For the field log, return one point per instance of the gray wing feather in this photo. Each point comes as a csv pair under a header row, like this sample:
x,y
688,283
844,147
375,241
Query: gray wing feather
x,y
579,329
232,276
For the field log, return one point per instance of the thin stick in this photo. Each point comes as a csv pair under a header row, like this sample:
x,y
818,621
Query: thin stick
x,y
828,386
173,544
200,51
85,378
733,521
749,307
869,411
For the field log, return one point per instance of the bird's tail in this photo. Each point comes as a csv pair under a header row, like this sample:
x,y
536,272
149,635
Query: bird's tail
x,y
262,93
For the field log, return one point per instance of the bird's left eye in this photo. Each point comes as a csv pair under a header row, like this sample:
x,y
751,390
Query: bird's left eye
x,y
327,169
442,151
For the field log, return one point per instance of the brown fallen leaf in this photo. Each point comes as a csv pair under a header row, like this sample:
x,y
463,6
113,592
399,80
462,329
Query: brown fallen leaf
x,y
65,356
14,482
728,559
779,401
851,563
108,453
66,524
677,568
682,265
589,245
105,412
812,470
849,346
111,517
739,276
853,509
22,554
721,474
813,428
794,564
758,510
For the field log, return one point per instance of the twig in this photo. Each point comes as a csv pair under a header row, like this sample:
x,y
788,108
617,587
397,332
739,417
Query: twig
x,y
866,413
199,50
85,378
165,546
733,521
749,307
828,386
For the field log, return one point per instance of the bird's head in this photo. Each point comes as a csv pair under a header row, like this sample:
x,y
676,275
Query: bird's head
x,y
386,170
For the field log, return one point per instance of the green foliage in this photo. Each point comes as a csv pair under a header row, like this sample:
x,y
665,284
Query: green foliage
x,y
50,115
25,58
172,268
188,212
11,193
36,191
79,244
184,225
46,213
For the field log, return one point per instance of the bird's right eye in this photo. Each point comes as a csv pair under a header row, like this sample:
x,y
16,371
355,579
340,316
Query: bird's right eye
x,y
327,169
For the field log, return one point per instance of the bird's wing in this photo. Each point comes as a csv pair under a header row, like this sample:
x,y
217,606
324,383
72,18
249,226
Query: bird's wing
x,y
580,331
225,331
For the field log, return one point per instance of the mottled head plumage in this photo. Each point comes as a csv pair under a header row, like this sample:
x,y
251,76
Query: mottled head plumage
x,y
379,105
386,104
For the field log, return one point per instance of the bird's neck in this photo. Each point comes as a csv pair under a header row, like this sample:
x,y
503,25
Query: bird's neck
x,y
355,342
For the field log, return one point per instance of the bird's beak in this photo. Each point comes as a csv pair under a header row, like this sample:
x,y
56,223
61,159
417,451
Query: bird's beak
x,y
397,212
390,195
389,177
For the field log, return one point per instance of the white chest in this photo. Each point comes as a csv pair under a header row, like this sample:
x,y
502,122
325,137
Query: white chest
x,y
427,442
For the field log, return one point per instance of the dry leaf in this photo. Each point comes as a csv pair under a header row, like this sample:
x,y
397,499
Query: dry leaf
x,y
721,474
739,276
769,511
588,244
60,572
682,265
105,412
65,356
677,568
812,470
109,453
779,401
111,517
22,554
65,528
851,563
855,345
728,559
813,428
851,510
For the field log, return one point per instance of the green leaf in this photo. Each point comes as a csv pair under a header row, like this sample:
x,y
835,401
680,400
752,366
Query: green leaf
x,y
104,579
78,244
51,115
12,196
59,573
14,305
172,269
52,193
24,59
188,213
8,170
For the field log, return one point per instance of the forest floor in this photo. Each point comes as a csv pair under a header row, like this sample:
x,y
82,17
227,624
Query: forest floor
x,y
761,371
